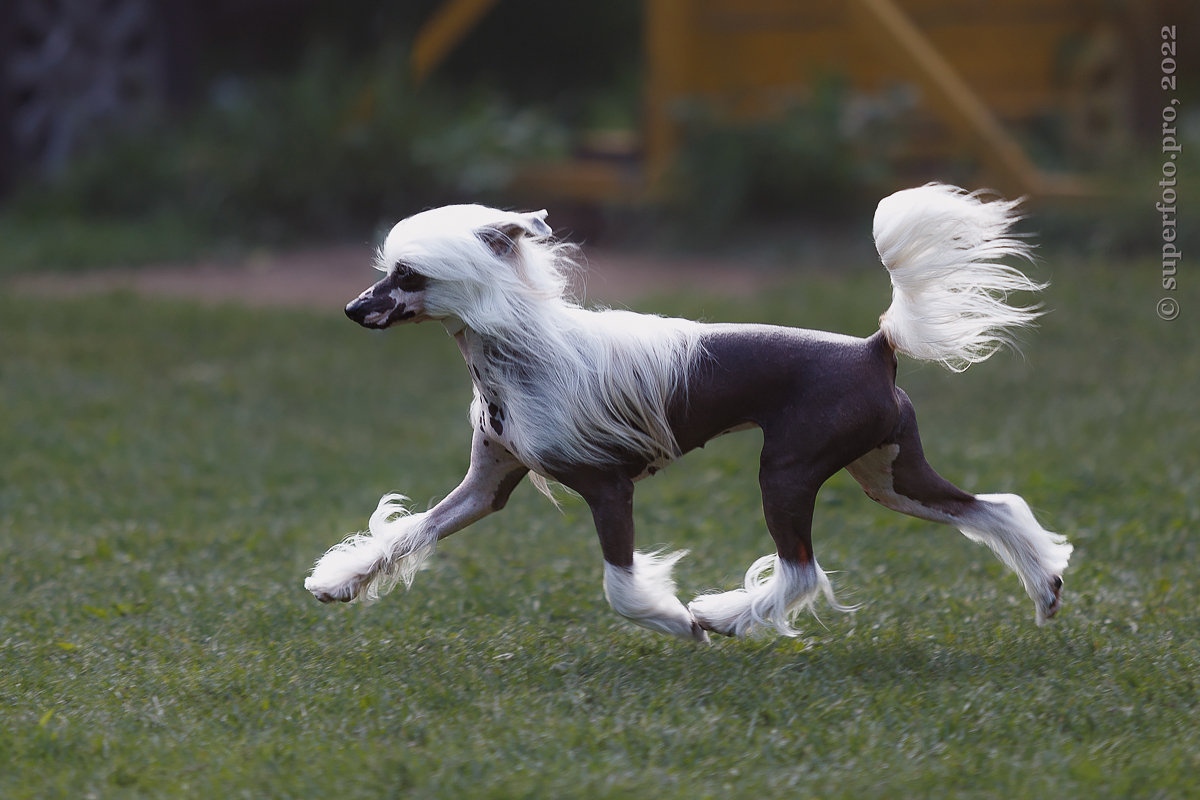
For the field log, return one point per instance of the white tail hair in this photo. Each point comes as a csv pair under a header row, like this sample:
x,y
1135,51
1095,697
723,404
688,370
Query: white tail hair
x,y
949,296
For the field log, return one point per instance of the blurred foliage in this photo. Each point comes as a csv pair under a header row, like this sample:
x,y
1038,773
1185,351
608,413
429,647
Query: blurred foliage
x,y
59,241
829,160
321,152
328,138
550,52
830,155
540,52
1121,220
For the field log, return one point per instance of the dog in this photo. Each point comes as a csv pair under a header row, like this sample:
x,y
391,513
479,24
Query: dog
x,y
597,400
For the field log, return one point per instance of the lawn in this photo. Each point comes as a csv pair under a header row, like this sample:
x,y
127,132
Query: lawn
x,y
168,474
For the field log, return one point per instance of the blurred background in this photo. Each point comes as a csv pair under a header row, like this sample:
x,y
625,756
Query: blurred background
x,y
140,131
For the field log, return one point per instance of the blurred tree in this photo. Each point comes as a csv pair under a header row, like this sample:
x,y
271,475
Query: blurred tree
x,y
69,71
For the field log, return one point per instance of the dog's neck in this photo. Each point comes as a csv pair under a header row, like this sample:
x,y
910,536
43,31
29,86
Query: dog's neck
x,y
469,347
458,331
454,326
470,344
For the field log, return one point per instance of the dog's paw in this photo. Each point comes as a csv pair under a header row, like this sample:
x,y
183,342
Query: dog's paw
x,y
1051,600
343,592
720,613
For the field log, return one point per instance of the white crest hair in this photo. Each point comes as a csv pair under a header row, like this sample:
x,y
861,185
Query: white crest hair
x,y
577,386
939,244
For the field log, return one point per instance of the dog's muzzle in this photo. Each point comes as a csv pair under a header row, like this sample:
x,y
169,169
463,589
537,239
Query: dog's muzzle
x,y
372,311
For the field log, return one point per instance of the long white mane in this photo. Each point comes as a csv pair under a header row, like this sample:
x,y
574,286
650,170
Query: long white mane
x,y
576,386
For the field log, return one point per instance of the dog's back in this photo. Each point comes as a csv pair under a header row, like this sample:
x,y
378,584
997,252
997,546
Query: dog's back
x,y
777,378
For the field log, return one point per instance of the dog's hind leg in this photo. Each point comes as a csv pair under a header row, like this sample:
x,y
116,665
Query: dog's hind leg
x,y
896,475
779,586
398,541
638,586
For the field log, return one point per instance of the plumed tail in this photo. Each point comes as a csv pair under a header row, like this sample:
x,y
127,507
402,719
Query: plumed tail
x,y
949,296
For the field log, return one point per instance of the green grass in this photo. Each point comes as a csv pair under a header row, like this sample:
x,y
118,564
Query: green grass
x,y
168,474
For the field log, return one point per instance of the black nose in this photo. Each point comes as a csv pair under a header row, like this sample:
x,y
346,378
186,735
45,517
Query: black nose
x,y
367,305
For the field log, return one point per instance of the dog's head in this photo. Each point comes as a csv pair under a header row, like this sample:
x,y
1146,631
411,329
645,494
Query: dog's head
x,y
449,262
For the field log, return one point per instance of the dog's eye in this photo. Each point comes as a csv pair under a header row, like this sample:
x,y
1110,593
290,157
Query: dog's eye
x,y
407,280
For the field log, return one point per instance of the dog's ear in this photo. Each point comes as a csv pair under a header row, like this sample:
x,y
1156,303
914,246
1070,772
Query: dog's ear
x,y
535,223
503,237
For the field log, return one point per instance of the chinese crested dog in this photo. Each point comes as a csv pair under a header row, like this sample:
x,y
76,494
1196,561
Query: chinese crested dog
x,y
598,400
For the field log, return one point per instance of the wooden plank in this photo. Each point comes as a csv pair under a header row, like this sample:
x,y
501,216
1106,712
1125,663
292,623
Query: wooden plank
x,y
448,26
670,47
947,90
1012,69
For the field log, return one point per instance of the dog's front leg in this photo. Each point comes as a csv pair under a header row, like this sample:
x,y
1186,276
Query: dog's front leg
x,y
398,541
638,585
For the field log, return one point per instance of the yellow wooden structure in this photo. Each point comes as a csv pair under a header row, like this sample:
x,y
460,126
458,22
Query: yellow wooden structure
x,y
978,64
